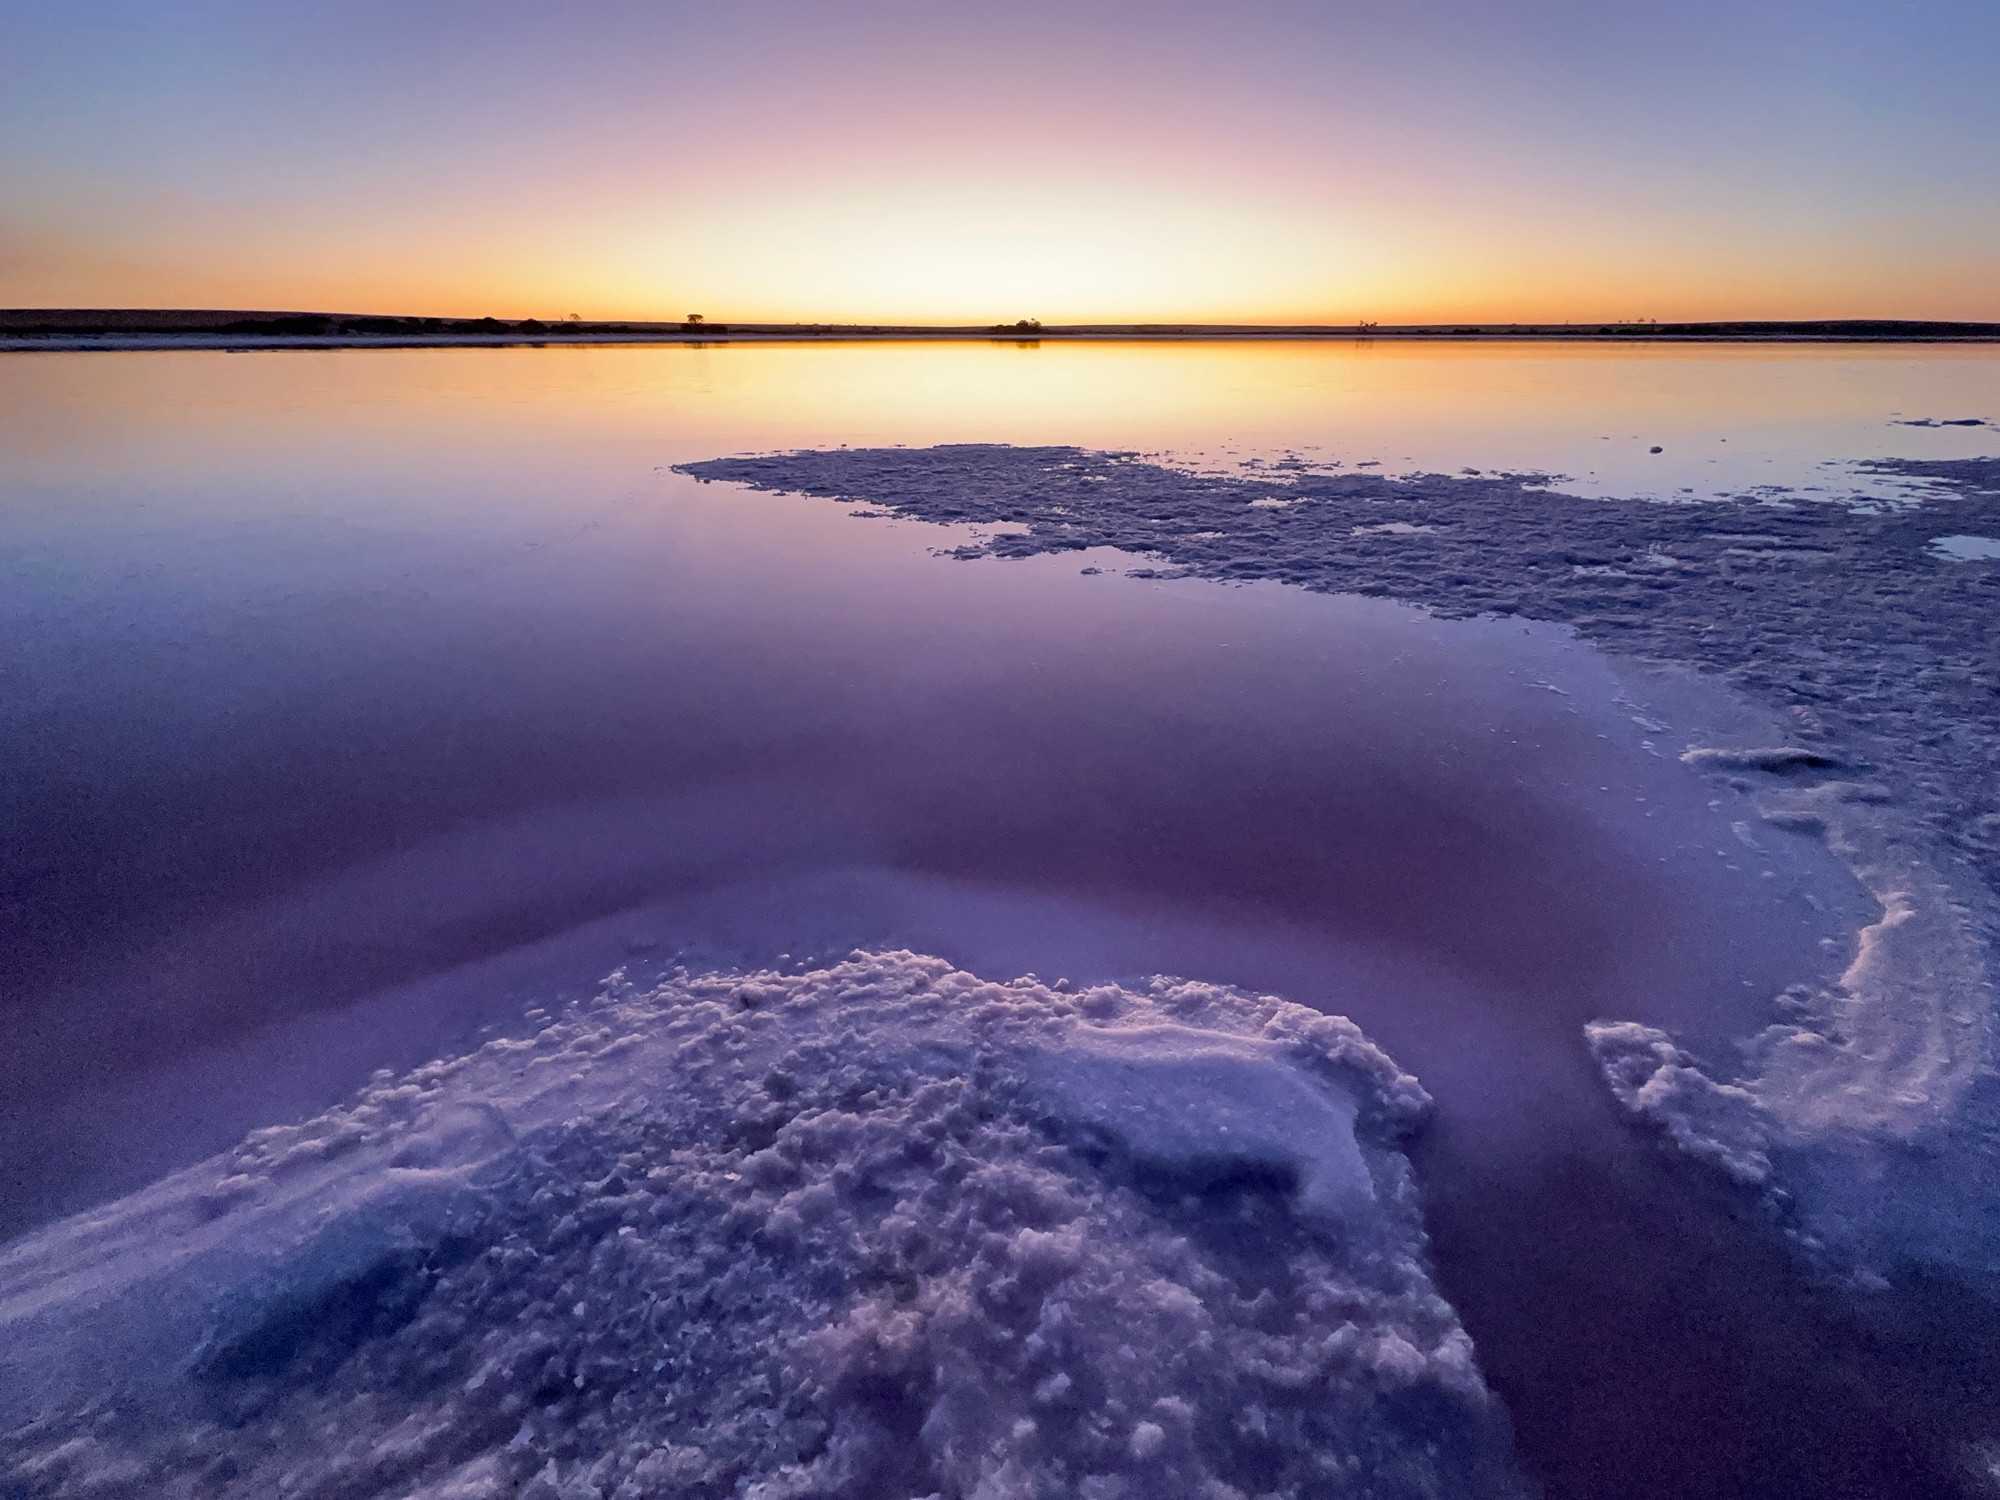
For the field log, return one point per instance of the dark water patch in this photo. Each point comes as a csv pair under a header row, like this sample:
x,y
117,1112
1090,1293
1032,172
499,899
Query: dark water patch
x,y
1668,1343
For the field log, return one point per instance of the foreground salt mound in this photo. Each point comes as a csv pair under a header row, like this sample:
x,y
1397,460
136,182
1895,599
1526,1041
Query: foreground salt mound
x,y
880,1230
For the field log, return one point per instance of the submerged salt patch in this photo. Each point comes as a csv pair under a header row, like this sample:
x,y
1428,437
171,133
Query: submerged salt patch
x,y
1966,548
879,1229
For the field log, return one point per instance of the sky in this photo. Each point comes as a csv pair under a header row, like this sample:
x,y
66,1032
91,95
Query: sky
x,y
1089,160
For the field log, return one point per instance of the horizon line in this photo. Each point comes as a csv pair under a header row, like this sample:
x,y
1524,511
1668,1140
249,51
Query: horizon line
x,y
26,329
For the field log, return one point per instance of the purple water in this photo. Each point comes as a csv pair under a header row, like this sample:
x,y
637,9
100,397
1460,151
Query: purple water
x,y
337,727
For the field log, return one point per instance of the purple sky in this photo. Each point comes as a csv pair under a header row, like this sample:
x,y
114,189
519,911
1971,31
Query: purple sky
x,y
883,159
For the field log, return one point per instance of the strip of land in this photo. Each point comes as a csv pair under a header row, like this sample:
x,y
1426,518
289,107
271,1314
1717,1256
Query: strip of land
x,y
153,328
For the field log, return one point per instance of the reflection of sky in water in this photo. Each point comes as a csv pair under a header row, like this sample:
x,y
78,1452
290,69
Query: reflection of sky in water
x,y
1728,418
1788,424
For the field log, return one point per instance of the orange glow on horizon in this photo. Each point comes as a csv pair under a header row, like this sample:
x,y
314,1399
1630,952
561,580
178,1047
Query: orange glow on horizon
x,y
1098,245
942,165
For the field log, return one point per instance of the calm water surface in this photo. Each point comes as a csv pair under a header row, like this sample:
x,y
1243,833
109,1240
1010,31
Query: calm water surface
x,y
355,701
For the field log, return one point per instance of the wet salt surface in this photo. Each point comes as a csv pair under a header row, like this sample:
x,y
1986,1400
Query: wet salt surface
x,y
336,789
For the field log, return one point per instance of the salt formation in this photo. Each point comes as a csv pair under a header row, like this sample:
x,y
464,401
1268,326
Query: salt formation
x,y
1870,1107
878,1230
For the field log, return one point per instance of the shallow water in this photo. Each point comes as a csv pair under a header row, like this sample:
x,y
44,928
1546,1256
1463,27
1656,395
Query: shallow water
x,y
358,701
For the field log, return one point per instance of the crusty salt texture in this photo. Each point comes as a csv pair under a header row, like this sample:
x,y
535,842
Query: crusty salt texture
x,y
879,1229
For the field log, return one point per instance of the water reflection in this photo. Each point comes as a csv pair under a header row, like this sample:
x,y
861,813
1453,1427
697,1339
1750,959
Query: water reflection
x,y
1726,417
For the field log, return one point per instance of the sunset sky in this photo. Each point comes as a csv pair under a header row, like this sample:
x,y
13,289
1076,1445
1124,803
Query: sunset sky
x,y
1268,160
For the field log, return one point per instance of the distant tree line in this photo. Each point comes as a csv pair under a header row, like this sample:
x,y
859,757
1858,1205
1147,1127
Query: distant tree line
x,y
71,324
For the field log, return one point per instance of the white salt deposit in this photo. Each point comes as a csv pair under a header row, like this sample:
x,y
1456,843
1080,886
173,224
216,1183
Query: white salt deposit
x,y
1868,1103
1651,1076
1966,548
879,1229
1180,1098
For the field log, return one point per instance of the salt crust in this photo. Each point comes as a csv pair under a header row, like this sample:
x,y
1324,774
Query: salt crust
x,y
883,1229
1868,1108
1868,1112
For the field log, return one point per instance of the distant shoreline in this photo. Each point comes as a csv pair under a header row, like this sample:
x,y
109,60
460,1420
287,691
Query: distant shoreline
x,y
27,330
